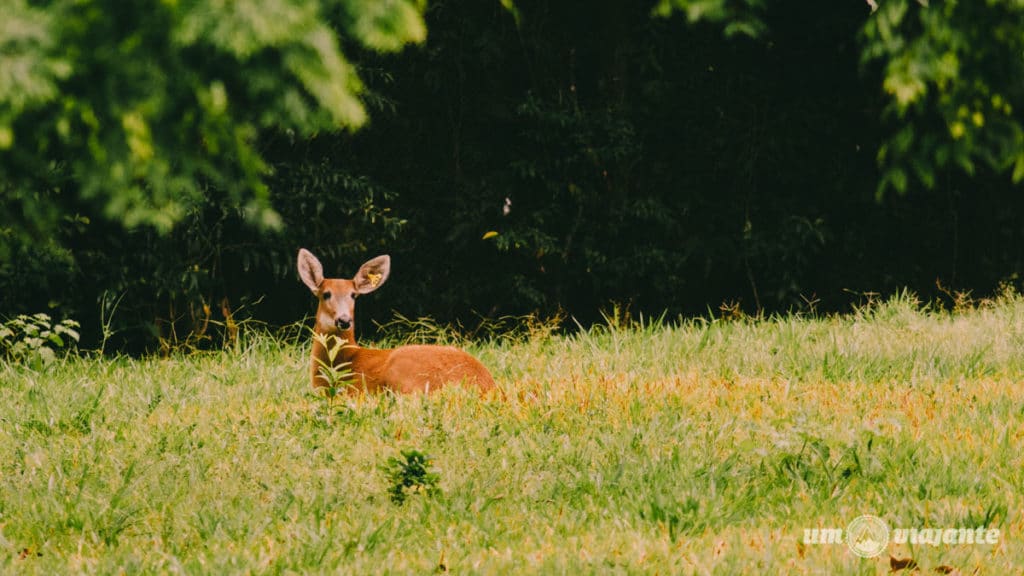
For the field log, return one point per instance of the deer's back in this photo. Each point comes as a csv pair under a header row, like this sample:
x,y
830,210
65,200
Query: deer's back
x,y
417,368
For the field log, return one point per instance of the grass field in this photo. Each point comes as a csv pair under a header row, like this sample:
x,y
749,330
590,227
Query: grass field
x,y
700,447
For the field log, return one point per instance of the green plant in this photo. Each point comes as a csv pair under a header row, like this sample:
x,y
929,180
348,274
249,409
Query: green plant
x,y
35,340
108,306
410,474
337,376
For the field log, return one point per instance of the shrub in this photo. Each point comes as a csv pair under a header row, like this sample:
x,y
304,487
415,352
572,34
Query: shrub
x,y
35,340
410,474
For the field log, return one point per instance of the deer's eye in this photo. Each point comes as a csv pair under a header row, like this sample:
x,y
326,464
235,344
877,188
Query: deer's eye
x,y
326,295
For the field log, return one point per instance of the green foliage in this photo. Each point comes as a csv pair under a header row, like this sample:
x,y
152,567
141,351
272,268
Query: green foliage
x,y
35,340
29,69
337,378
950,71
37,276
736,16
146,108
571,195
178,289
616,157
410,474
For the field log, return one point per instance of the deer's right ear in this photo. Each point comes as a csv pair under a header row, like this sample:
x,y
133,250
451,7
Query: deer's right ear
x,y
310,270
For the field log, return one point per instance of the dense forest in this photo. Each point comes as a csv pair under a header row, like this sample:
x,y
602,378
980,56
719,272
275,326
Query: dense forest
x,y
542,156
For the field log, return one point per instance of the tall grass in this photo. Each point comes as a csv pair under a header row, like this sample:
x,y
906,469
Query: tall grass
x,y
703,446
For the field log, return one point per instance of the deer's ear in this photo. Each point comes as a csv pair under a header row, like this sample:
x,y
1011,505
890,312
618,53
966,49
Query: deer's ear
x,y
372,274
310,270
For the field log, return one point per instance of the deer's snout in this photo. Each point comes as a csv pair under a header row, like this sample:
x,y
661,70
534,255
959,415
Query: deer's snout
x,y
343,323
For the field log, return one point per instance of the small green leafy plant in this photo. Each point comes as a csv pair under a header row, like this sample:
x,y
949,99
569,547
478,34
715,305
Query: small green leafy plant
x,y
35,340
337,377
410,474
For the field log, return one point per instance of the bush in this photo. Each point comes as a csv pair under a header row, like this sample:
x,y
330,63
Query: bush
x,y
35,340
410,475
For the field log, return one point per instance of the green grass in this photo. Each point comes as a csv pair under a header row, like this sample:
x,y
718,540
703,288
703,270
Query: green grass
x,y
703,447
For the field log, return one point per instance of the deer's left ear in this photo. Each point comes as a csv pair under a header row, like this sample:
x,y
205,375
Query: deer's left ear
x,y
372,274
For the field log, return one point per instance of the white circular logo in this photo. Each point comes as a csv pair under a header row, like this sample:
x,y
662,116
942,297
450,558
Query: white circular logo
x,y
867,536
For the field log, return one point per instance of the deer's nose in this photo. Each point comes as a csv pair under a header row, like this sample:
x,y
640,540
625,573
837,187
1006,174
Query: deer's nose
x,y
343,323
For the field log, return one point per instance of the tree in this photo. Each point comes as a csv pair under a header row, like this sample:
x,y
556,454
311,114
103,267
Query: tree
x,y
952,72
140,109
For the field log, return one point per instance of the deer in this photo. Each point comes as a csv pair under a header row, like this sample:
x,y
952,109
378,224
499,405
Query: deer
x,y
405,369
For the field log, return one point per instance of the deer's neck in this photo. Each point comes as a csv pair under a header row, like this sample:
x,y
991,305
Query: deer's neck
x,y
349,346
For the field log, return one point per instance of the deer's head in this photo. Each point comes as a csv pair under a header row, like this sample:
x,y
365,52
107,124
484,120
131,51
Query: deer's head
x,y
337,296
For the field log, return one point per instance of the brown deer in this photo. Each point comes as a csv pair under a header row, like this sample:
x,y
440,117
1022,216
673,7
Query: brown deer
x,y
404,369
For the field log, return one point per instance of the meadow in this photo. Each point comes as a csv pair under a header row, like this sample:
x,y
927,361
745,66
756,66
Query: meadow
x,y
702,446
